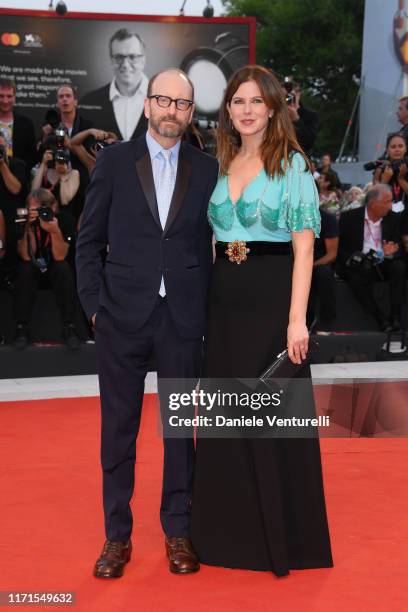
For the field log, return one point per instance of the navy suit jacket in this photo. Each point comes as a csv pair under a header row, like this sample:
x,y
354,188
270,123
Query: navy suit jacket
x,y
121,211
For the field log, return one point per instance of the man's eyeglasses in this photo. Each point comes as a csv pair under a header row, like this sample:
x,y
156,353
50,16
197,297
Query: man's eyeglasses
x,y
165,102
132,58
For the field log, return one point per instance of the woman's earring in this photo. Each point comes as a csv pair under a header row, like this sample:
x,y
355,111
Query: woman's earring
x,y
231,125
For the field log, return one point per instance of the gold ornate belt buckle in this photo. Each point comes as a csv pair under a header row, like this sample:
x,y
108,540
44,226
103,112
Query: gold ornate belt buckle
x,y
237,251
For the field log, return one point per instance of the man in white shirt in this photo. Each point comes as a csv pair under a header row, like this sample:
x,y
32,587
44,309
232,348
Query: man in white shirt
x,y
374,228
118,105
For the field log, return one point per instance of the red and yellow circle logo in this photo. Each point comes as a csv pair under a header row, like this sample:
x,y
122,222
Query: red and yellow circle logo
x,y
10,39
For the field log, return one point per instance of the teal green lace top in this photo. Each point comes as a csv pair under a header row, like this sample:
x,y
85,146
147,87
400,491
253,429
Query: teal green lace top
x,y
268,209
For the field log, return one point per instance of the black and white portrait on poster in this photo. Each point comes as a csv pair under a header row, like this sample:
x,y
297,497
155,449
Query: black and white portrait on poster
x,y
109,60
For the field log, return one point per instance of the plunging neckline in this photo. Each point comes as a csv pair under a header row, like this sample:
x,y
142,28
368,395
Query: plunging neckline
x,y
234,203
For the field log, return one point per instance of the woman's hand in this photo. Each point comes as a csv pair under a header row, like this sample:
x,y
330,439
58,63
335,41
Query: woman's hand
x,y
47,157
387,174
298,342
98,134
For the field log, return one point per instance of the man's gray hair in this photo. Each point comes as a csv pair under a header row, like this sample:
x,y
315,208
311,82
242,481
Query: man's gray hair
x,y
374,193
43,196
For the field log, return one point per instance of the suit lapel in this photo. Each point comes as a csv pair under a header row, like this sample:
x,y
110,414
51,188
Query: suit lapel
x,y
180,188
144,171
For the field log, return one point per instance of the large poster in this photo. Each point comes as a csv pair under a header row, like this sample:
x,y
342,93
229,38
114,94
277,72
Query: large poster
x,y
98,56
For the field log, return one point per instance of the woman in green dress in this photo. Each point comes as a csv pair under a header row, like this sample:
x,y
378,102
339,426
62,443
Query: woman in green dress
x,y
258,503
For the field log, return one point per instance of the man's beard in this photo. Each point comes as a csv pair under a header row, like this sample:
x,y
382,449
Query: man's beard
x,y
170,131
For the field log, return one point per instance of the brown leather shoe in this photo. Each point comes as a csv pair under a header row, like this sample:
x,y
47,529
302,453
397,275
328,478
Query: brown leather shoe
x,y
181,556
113,559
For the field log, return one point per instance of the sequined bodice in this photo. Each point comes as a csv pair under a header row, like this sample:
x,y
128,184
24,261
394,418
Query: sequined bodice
x,y
268,209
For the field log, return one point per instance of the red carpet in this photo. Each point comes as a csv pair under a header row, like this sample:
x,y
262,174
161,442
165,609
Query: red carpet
x,y
52,529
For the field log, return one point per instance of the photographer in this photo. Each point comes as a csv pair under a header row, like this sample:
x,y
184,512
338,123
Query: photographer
x,y
305,120
326,167
68,115
369,251
43,250
96,139
12,187
55,174
393,171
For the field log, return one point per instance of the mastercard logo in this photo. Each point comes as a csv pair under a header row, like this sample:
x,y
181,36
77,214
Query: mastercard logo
x,y
10,39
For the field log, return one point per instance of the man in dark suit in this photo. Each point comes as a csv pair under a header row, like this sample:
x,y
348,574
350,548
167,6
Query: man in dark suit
x,y
17,129
373,229
148,201
118,106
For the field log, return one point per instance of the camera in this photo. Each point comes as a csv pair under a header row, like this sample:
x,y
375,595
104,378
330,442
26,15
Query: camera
x,y
101,144
44,212
3,152
60,132
56,143
53,118
290,96
397,163
60,156
382,163
366,261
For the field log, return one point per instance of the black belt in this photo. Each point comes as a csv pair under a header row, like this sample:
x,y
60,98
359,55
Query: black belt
x,y
238,251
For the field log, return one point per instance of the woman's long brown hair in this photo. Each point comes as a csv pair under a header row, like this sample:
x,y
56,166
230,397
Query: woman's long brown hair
x,y
279,139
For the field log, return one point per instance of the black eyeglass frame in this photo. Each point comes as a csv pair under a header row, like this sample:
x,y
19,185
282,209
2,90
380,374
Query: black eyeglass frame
x,y
171,100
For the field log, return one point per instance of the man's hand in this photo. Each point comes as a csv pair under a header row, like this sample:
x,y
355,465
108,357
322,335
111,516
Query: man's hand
x,y
51,227
389,247
47,130
32,215
293,111
93,319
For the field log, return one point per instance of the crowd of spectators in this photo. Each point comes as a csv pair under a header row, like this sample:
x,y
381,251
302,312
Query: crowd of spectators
x,y
42,194
364,235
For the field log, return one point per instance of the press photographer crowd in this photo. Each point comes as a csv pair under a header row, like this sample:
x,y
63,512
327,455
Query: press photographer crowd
x,y
43,181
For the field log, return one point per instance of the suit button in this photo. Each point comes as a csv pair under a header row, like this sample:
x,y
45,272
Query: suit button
x,y
166,239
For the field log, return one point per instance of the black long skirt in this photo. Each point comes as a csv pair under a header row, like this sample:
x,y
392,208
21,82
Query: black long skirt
x,y
257,503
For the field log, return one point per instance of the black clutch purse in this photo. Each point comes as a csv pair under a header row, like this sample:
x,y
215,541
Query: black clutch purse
x,y
283,368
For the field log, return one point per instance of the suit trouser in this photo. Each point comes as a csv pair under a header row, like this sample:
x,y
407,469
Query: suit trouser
x,y
123,360
323,292
362,280
61,277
